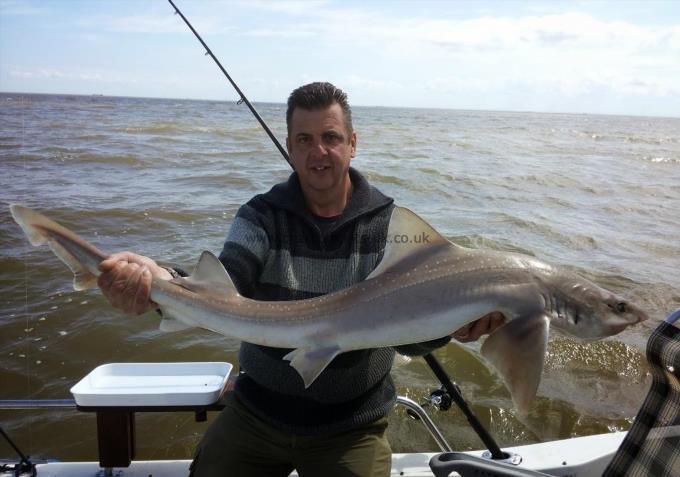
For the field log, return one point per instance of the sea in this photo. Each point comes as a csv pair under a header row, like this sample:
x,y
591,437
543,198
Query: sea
x,y
599,195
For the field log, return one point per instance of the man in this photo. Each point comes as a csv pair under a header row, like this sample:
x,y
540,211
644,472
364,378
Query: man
x,y
322,230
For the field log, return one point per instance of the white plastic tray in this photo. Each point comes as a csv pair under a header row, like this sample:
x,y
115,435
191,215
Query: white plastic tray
x,y
152,384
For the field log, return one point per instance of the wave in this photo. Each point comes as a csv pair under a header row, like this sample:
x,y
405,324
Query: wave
x,y
161,128
378,178
114,159
65,155
652,141
571,239
102,106
589,134
482,242
93,137
661,159
183,130
203,181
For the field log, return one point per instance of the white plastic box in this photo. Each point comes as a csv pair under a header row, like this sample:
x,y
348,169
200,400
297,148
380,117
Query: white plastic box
x,y
152,384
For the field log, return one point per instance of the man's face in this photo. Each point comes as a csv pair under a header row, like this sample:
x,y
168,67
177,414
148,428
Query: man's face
x,y
320,147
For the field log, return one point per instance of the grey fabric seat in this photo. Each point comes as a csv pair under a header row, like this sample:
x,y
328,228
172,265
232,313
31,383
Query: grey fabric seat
x,y
652,446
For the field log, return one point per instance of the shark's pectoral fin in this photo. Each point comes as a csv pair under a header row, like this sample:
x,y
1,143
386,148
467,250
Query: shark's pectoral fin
x,y
310,362
169,324
517,351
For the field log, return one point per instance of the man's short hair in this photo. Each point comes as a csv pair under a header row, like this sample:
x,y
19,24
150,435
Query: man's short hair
x,y
315,96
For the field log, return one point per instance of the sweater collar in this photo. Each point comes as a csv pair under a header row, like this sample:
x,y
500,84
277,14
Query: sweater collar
x,y
365,198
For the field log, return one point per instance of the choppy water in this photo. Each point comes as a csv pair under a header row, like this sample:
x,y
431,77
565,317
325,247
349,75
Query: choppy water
x,y
599,194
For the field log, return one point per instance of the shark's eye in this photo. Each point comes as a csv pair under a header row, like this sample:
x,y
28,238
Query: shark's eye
x,y
621,307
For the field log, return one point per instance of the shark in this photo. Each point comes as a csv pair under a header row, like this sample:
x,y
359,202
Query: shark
x,y
420,290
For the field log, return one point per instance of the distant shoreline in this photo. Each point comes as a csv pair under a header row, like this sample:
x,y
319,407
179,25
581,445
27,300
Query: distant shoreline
x,y
354,106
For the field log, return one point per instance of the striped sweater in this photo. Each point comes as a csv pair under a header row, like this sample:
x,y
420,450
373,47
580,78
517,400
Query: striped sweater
x,y
277,250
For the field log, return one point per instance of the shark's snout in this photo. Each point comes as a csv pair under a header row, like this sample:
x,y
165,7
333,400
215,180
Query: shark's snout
x,y
623,314
642,316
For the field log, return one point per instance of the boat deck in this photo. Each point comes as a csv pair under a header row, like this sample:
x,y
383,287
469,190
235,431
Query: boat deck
x,y
576,457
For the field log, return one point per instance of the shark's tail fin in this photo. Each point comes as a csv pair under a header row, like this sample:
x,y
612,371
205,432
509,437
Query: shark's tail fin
x,y
28,219
80,256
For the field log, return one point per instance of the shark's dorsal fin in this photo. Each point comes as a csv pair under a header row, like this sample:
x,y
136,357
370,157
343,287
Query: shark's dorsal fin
x,y
407,235
210,278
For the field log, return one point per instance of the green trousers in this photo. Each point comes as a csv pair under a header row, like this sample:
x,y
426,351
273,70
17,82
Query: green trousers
x,y
241,445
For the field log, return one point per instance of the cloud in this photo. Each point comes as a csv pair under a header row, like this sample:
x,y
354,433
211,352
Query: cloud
x,y
40,73
281,32
369,84
572,53
147,24
383,53
151,22
566,30
37,73
91,76
295,8
20,8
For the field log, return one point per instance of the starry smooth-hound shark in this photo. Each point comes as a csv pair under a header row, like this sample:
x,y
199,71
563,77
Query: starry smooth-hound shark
x,y
418,292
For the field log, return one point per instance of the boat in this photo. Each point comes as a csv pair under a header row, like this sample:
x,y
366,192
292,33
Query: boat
x,y
117,391
577,457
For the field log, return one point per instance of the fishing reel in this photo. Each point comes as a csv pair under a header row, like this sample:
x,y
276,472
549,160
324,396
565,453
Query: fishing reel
x,y
439,399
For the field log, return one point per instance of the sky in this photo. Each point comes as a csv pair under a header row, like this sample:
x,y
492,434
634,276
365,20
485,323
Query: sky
x,y
618,57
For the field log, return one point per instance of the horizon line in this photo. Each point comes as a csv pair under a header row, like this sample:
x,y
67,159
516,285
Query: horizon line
x,y
100,95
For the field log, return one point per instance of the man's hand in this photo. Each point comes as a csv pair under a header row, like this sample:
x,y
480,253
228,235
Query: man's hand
x,y
485,325
126,281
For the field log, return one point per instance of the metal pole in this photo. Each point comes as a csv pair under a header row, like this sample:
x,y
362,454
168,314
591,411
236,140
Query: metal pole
x,y
37,404
427,422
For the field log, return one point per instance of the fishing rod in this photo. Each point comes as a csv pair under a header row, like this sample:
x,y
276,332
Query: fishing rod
x,y
243,99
